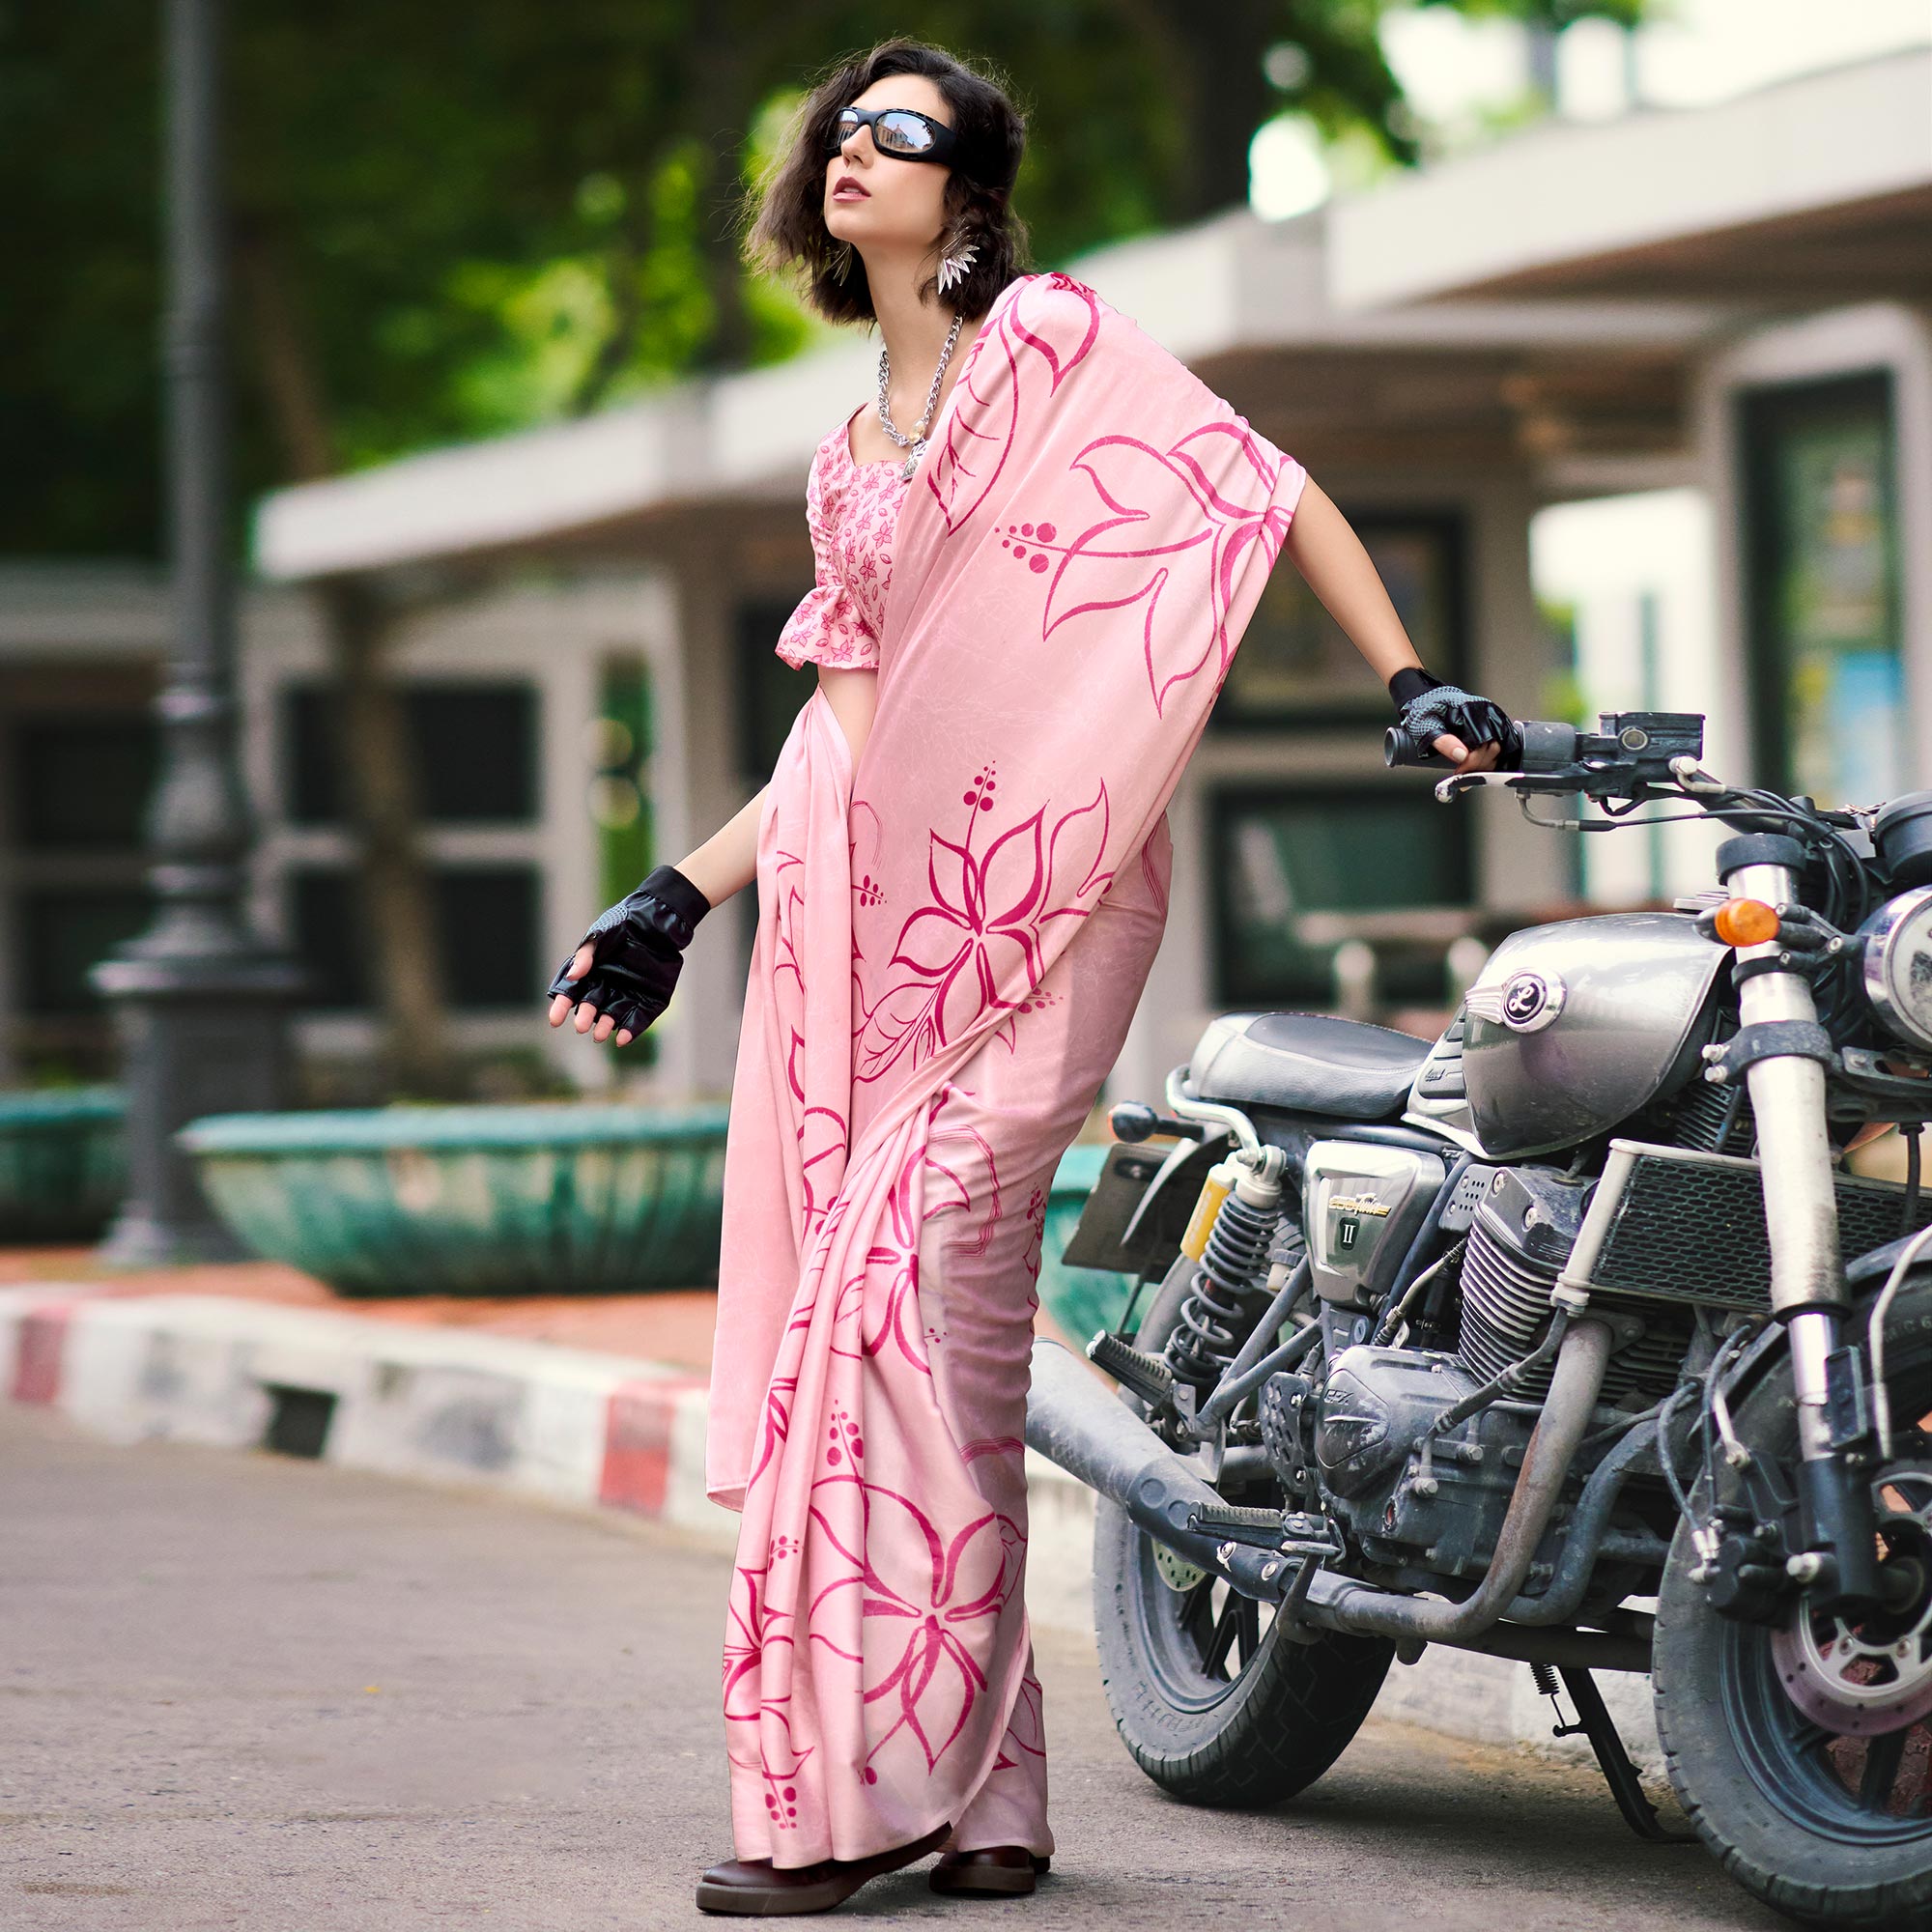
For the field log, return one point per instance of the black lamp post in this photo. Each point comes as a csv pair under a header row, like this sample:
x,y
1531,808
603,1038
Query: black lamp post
x,y
201,1001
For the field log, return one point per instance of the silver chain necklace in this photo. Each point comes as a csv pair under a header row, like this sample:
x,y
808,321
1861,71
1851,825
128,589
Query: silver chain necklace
x,y
914,443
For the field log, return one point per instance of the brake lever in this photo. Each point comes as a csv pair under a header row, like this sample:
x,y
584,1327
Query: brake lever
x,y
1447,789
1594,782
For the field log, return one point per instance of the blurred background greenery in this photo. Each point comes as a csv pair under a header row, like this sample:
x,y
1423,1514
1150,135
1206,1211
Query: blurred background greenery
x,y
454,220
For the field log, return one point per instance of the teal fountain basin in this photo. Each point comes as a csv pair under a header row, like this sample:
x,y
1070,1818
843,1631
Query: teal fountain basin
x,y
63,1162
475,1199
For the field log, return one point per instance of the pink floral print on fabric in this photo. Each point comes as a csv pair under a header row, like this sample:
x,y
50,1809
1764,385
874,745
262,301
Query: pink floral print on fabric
x,y
953,931
977,942
851,509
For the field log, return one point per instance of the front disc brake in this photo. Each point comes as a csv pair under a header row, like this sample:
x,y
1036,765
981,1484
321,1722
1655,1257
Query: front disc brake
x,y
1868,1675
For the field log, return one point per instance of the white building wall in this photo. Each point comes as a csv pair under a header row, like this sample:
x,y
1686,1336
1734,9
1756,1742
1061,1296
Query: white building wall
x,y
700,788
1629,564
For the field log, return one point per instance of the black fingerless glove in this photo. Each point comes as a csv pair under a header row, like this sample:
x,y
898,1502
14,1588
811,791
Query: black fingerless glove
x,y
1430,707
638,950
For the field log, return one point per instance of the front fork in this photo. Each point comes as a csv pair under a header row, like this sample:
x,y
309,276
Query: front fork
x,y
1838,1562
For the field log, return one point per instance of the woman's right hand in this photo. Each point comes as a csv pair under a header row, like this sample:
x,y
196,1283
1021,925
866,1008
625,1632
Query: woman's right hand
x,y
588,1015
621,976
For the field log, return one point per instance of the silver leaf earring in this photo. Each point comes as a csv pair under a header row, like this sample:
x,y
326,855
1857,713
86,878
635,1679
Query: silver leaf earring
x,y
841,262
955,269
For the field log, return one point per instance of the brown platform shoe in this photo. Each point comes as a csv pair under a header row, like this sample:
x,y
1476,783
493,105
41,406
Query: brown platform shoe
x,y
992,1868
756,1888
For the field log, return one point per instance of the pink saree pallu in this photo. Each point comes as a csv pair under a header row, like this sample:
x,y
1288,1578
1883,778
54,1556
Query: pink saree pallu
x,y
951,940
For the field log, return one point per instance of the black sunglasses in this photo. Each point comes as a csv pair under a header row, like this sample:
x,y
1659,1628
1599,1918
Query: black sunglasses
x,y
900,132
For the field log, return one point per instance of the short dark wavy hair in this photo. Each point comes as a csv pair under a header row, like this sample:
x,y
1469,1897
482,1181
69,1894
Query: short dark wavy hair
x,y
788,235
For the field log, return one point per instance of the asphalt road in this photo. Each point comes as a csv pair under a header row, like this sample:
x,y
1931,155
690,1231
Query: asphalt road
x,y
242,1690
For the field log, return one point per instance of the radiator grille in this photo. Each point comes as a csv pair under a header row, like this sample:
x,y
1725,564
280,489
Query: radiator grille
x,y
1692,1229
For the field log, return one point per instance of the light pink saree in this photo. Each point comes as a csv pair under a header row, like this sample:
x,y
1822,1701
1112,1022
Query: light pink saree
x,y
951,940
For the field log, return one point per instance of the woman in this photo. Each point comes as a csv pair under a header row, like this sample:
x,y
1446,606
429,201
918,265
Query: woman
x,y
962,861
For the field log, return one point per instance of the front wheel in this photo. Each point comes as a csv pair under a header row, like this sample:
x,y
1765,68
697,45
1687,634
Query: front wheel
x,y
1803,1754
1212,1699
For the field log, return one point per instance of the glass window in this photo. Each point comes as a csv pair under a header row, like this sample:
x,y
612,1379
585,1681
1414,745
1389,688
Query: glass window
x,y
620,785
474,744
1277,851
83,781
61,933
491,913
775,692
1821,542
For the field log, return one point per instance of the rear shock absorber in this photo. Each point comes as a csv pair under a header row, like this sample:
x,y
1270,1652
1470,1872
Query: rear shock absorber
x,y
1232,1223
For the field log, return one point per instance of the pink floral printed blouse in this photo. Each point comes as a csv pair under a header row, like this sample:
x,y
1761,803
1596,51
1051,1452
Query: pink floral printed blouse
x,y
851,509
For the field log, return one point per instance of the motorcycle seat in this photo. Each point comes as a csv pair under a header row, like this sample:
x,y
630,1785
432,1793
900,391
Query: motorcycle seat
x,y
1306,1063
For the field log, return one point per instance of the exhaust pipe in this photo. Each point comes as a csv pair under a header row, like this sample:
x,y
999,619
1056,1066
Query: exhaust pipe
x,y
1078,1425
1074,1422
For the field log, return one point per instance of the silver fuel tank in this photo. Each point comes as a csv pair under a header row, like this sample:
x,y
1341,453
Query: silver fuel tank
x,y
1570,1028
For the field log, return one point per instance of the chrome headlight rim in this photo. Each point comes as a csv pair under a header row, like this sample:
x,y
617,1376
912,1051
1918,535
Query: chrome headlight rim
x,y
1886,935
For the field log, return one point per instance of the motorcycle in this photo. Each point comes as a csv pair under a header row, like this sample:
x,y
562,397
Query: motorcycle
x,y
1565,1338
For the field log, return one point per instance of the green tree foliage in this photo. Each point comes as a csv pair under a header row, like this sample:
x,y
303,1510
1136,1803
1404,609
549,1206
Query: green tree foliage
x,y
452,221
79,429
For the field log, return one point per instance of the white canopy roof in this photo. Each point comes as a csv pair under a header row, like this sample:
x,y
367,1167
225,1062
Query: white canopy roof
x,y
1818,187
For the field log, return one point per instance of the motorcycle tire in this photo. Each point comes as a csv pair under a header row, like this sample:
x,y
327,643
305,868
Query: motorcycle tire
x,y
1203,1729
1829,1827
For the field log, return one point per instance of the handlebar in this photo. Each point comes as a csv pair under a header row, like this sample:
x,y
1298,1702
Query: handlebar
x,y
1628,748
1635,758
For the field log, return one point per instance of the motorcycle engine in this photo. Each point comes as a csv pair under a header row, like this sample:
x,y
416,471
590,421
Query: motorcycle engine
x,y
1444,1511
1376,1408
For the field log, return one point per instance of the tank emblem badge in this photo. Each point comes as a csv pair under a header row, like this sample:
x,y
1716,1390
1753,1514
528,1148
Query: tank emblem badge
x,y
1531,1001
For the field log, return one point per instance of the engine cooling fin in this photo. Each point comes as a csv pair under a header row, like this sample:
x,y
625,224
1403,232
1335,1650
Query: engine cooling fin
x,y
1519,1239
1707,1119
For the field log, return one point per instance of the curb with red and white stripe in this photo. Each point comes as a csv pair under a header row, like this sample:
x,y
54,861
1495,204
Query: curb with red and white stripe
x,y
565,1426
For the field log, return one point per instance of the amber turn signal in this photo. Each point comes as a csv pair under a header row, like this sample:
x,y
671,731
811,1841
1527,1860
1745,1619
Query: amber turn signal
x,y
1745,923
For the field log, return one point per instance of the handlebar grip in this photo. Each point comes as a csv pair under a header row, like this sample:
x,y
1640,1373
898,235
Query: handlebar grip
x,y
1405,748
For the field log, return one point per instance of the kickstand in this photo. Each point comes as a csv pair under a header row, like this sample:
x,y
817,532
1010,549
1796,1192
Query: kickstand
x,y
1619,1773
